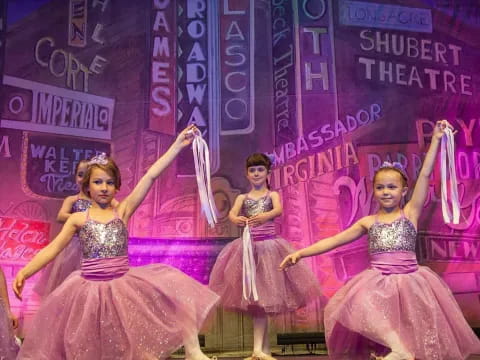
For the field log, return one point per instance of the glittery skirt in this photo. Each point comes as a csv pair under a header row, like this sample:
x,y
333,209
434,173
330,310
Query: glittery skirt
x,y
60,268
396,301
278,291
146,313
8,347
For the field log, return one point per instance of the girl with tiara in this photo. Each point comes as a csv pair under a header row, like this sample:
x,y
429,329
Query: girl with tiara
x,y
70,258
8,322
401,308
108,310
245,274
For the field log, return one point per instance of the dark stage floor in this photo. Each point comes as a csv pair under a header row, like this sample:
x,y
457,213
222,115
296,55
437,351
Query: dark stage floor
x,y
311,357
239,356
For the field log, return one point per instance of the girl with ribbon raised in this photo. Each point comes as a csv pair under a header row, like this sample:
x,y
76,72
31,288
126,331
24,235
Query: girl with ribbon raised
x,y
245,274
396,309
108,310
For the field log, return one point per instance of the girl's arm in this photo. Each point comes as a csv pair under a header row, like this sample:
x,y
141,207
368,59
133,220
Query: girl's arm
x,y
128,206
269,215
6,301
235,210
350,234
414,207
48,253
66,209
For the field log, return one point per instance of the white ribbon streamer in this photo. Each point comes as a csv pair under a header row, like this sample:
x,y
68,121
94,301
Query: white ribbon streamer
x,y
248,267
447,153
201,157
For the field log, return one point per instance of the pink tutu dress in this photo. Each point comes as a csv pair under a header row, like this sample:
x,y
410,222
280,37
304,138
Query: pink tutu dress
x,y
396,298
8,347
66,262
108,310
278,291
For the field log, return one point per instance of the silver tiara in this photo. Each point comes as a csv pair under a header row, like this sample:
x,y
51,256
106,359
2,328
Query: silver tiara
x,y
100,159
393,165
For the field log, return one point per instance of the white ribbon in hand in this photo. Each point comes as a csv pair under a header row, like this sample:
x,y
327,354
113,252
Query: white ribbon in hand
x,y
447,153
201,157
248,267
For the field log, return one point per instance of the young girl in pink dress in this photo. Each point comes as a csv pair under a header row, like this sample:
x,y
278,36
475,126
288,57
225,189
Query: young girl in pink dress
x,y
8,321
70,258
108,310
272,292
401,308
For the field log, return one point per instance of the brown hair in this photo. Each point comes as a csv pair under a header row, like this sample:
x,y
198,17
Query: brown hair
x,y
83,161
258,159
398,171
110,168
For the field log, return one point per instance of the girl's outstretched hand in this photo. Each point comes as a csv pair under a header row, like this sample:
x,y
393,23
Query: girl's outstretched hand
x,y
187,135
440,127
18,284
290,260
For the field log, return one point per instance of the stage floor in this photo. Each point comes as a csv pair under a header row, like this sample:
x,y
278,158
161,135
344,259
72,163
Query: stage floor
x,y
302,356
309,357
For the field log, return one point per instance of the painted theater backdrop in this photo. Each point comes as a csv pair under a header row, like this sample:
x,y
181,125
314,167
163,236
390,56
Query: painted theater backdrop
x,y
331,89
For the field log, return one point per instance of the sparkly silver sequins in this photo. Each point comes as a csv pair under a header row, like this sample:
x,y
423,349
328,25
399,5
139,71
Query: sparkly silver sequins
x,y
400,235
253,207
81,205
104,240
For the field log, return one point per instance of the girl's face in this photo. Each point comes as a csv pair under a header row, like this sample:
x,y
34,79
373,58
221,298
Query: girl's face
x,y
81,170
257,175
101,187
389,189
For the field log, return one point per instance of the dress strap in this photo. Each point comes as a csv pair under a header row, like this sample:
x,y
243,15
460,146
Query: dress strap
x,y
87,212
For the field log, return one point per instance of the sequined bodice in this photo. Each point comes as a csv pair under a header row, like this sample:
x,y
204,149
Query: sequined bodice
x,y
252,207
400,235
101,240
81,205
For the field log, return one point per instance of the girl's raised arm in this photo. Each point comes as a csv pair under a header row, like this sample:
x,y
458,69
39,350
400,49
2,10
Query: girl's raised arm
x,y
348,235
414,207
128,206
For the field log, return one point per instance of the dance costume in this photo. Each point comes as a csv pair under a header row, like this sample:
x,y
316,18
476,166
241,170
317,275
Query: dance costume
x,y
8,347
69,259
396,301
278,291
108,310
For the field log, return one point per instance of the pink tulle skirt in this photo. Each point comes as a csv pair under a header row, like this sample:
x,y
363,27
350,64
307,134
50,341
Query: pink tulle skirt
x,y
110,311
278,291
397,299
8,347
60,268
